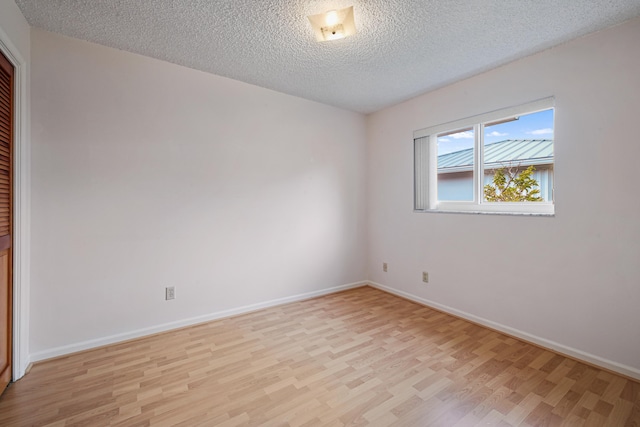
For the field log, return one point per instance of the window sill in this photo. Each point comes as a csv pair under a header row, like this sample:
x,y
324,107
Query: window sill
x,y
442,211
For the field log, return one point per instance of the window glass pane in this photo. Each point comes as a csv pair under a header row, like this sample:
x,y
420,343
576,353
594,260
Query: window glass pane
x,y
455,165
518,158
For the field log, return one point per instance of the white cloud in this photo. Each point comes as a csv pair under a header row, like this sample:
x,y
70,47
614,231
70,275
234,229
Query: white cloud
x,y
462,135
545,131
496,133
443,140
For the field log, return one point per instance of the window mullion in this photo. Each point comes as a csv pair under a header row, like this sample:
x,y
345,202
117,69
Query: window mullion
x,y
433,171
478,167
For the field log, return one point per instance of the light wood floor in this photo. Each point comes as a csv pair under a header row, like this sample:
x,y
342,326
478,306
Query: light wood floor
x,y
360,357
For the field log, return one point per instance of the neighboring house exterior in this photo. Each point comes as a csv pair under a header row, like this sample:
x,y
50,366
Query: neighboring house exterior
x,y
455,170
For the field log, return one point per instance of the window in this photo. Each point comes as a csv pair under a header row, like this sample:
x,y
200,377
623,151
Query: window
x,y
500,162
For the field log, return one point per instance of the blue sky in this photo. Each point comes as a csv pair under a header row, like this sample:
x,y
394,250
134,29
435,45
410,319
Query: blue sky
x,y
531,126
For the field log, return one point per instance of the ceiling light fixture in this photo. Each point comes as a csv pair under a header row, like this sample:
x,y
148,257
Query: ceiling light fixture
x,y
333,25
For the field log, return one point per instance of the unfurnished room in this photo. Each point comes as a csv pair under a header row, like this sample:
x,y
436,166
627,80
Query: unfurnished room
x,y
319,213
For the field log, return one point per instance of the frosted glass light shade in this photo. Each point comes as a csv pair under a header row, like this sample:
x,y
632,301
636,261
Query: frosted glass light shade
x,y
332,25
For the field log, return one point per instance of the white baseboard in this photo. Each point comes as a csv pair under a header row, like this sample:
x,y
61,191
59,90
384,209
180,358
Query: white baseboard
x,y
112,339
542,342
552,345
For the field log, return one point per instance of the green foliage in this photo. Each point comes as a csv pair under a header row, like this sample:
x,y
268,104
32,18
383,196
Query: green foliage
x,y
510,186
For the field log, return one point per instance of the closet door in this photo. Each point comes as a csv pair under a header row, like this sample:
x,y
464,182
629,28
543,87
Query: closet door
x,y
6,219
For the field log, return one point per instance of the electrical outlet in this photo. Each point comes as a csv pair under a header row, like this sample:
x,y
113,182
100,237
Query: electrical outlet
x,y
425,277
384,267
169,293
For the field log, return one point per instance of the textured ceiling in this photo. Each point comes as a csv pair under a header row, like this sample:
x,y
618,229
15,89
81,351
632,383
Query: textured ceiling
x,y
403,47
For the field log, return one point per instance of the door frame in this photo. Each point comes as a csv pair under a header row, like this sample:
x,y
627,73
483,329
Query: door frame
x,y
21,207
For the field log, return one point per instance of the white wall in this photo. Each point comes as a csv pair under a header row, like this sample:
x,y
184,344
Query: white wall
x,y
581,285
147,174
13,24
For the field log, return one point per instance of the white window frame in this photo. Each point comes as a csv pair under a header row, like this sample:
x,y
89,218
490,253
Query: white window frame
x,y
426,166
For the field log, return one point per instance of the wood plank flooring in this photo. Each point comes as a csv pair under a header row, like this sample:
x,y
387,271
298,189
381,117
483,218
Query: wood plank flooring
x,y
360,357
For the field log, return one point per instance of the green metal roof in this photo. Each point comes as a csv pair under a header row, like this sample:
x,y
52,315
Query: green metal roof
x,y
520,152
